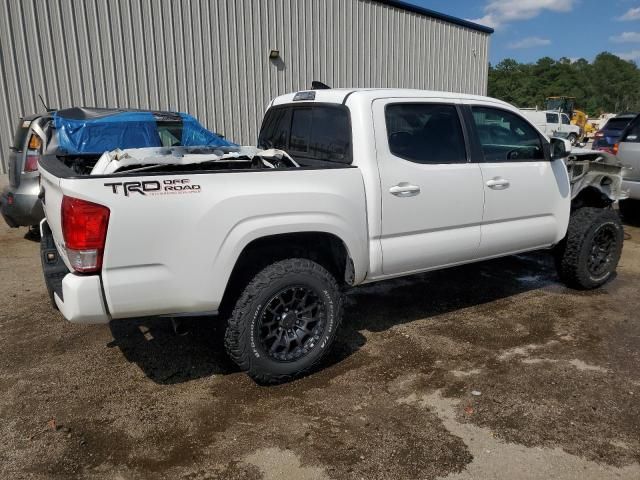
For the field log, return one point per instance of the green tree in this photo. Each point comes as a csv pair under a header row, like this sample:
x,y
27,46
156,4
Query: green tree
x,y
608,84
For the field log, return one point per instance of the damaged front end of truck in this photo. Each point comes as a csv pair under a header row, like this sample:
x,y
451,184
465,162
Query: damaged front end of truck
x,y
595,177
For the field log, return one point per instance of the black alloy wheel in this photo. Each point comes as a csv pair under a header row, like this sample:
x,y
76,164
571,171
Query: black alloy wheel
x,y
602,250
291,323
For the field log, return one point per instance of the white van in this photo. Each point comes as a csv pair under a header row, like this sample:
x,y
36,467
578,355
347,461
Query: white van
x,y
554,124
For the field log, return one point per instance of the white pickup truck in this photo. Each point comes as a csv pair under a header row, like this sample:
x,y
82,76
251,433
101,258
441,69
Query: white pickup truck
x,y
553,124
385,183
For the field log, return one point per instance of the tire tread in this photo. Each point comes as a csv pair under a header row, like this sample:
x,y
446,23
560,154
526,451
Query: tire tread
x,y
238,325
569,251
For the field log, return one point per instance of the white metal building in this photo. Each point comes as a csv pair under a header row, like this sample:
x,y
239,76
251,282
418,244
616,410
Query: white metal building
x,y
223,60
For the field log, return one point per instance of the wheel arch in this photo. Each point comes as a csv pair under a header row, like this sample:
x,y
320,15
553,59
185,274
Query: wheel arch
x,y
597,195
321,246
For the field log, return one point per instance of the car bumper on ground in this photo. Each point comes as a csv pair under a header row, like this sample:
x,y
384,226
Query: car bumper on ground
x,y
633,187
82,300
21,207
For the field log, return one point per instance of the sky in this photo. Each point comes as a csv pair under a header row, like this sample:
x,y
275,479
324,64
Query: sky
x,y
529,29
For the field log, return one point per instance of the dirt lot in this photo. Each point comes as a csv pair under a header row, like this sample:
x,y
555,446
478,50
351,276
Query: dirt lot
x,y
555,372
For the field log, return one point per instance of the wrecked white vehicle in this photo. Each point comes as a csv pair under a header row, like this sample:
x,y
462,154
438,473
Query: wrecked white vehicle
x,y
374,184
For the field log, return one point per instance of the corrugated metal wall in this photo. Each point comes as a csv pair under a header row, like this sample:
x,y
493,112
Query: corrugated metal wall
x,y
211,57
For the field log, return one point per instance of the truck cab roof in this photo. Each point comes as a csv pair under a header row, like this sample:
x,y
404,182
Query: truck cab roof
x,y
342,95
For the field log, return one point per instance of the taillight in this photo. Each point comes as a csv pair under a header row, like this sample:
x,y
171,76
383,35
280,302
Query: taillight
x,y
84,227
33,154
599,134
35,143
31,162
615,149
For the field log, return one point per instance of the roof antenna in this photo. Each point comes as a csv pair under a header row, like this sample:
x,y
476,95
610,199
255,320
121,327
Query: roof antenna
x,y
316,85
44,104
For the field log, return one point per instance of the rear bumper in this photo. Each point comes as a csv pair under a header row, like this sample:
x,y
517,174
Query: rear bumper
x,y
633,187
78,297
82,300
22,207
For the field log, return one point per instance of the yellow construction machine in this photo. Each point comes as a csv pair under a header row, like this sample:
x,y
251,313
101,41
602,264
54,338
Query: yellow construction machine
x,y
568,105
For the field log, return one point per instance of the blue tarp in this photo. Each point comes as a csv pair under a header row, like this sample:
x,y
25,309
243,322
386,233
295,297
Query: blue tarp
x,y
195,135
126,130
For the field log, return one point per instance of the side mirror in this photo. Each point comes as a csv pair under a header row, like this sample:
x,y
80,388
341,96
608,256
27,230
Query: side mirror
x,y
560,148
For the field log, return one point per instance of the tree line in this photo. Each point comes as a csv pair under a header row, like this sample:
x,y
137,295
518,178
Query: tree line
x,y
607,85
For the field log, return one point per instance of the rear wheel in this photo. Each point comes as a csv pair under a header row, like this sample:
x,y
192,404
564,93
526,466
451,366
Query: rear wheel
x,y
589,254
285,321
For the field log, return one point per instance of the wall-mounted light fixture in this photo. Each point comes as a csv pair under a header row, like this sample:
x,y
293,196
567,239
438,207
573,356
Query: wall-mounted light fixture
x,y
274,54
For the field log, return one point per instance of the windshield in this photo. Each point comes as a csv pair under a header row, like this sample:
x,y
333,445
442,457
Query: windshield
x,y
554,104
561,104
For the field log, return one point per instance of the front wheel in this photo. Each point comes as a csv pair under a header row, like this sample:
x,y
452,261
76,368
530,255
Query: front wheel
x,y
573,138
589,254
285,321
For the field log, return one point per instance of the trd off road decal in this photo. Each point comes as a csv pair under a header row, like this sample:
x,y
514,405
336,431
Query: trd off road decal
x,y
154,187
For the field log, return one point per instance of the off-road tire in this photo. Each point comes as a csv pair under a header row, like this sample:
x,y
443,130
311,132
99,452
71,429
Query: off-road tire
x,y
242,340
630,210
573,254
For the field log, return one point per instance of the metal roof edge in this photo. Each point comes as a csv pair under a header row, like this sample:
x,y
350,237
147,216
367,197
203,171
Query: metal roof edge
x,y
433,14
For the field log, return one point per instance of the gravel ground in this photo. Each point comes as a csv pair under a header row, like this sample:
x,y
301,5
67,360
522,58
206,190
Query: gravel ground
x,y
486,371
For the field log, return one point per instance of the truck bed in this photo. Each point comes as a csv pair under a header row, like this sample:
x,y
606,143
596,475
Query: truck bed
x,y
174,234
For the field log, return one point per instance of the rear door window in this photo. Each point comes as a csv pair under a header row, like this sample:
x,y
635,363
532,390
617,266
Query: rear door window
x,y
425,133
552,118
617,124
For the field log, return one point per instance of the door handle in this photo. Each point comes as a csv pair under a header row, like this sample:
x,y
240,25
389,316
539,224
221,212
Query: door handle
x,y
405,190
498,183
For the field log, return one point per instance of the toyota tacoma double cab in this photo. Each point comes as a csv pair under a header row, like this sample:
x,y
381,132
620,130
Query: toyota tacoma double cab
x,y
346,187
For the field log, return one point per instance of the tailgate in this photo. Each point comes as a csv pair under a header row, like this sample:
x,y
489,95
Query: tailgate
x,y
51,196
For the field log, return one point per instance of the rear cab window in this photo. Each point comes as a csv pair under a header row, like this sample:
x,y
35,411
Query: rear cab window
x,y
310,132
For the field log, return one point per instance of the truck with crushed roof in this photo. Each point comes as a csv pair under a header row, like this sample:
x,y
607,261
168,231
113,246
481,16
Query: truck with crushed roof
x,y
345,187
